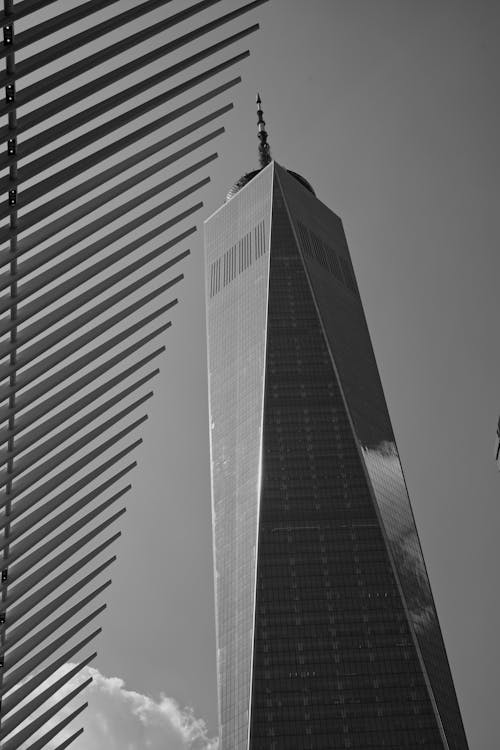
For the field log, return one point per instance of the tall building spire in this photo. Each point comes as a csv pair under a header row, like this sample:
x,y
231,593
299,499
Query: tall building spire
x,y
264,151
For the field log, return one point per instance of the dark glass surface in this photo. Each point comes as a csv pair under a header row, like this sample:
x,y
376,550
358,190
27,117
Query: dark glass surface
x,y
334,661
344,323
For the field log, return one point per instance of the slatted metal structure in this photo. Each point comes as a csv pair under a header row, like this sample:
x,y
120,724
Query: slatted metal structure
x,y
110,107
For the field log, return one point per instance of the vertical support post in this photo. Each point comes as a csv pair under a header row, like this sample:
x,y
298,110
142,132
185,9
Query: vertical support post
x,y
11,146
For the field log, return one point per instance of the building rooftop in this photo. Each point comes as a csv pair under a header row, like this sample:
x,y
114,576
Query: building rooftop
x,y
248,177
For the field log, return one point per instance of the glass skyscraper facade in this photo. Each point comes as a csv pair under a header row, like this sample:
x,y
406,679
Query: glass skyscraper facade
x,y
327,633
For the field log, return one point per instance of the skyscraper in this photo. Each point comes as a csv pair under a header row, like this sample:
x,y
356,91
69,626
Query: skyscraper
x,y
327,633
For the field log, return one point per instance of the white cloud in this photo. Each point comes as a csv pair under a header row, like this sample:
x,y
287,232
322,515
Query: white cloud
x,y
121,719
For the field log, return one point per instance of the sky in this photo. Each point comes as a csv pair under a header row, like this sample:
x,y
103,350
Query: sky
x,y
390,110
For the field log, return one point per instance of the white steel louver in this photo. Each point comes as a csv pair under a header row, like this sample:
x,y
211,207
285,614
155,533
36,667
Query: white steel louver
x,y
85,288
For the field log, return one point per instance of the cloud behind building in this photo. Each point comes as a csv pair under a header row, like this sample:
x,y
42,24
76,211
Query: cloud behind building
x,y
122,719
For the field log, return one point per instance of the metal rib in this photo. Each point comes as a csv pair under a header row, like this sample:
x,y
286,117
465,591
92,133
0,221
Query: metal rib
x,y
60,397
41,213
58,357
55,294
35,329
35,537
56,441
29,731
34,435
68,264
52,484
27,605
66,743
23,506
29,708
61,103
61,354
34,518
56,248
60,246
49,736
43,450
104,175
24,8
41,140
75,41
15,655
34,455
55,51
23,587
41,30
33,623
17,673
39,493
49,83
65,373
31,562
61,313
97,157
44,345
36,391
50,464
